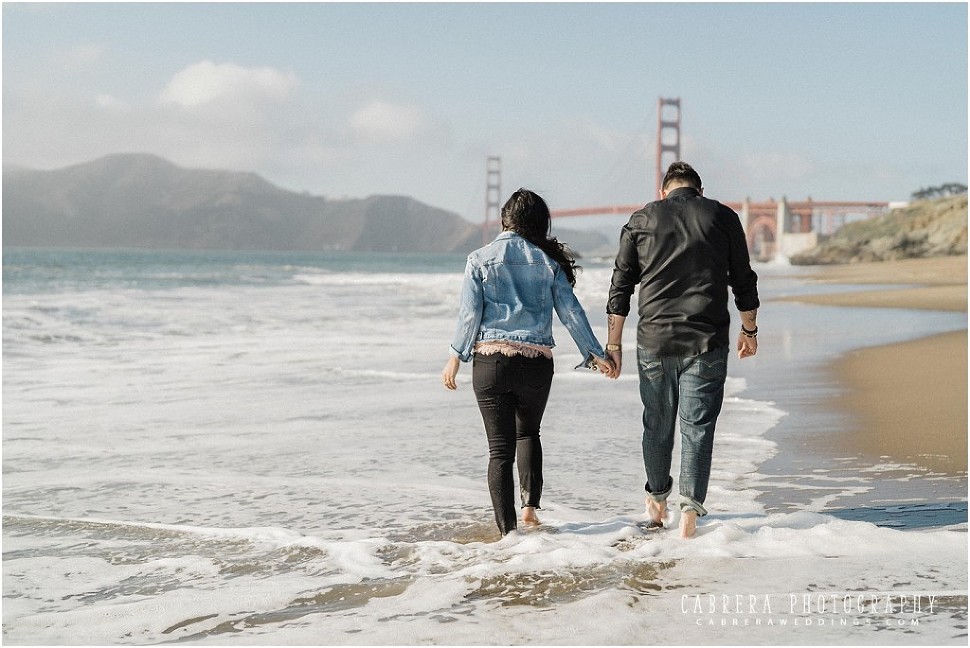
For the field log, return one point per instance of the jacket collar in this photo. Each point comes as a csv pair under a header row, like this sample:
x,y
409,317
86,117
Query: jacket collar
x,y
683,192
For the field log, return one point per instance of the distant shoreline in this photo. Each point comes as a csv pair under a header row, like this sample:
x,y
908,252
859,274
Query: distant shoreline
x,y
909,400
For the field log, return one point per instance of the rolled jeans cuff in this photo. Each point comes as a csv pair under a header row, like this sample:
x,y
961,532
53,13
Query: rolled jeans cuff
x,y
659,496
687,504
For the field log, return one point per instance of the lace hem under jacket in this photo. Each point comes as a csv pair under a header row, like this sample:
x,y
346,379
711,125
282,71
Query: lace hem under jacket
x,y
510,348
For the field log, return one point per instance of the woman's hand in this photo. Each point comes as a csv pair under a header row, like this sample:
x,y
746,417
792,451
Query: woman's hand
x,y
449,372
606,367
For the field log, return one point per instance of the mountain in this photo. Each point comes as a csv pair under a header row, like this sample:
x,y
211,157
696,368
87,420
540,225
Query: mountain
x,y
926,228
143,201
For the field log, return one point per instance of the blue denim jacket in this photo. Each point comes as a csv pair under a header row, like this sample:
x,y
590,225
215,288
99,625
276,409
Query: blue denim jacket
x,y
509,292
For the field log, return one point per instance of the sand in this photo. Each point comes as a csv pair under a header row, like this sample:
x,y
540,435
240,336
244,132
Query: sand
x,y
909,399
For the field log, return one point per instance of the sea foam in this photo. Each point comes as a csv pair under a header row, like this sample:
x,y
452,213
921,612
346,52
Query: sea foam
x,y
279,464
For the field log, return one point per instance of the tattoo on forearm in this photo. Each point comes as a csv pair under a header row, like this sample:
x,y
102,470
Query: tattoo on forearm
x,y
610,322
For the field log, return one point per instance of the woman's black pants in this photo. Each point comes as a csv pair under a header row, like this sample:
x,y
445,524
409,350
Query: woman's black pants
x,y
512,392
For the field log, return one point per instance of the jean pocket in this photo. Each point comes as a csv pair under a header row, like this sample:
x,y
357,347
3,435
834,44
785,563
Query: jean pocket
x,y
537,373
651,368
710,366
485,372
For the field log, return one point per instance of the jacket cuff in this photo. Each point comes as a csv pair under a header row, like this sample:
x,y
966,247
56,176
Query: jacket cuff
x,y
589,362
454,352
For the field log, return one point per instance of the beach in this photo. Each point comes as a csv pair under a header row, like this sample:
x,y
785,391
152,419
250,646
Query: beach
x,y
256,449
906,400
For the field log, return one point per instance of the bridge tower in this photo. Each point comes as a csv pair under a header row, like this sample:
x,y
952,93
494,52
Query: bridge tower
x,y
668,136
493,196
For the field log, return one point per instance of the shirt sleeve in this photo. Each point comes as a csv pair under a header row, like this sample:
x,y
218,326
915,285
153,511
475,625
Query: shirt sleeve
x,y
470,308
626,271
743,280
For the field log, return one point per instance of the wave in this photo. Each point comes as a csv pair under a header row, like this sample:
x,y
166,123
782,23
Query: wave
x,y
454,570
273,536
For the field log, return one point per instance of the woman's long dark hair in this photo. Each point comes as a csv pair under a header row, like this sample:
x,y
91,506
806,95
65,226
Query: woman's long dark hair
x,y
527,214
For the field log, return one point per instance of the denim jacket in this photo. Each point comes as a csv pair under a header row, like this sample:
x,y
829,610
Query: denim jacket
x,y
509,292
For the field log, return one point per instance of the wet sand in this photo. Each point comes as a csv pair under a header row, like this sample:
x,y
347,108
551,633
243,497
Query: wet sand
x,y
910,399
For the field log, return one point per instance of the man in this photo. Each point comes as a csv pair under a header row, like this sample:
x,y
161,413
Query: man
x,y
683,252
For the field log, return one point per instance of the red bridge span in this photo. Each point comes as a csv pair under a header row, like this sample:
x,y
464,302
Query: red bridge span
x,y
772,227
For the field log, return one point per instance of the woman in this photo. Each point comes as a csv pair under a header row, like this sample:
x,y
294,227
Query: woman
x,y
510,289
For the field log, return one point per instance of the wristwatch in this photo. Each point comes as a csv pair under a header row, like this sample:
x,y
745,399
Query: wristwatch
x,y
614,347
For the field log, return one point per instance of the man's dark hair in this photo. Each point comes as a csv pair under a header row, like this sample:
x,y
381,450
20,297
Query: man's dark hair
x,y
682,172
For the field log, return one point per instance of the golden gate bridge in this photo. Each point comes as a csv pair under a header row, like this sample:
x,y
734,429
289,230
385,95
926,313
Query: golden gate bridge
x,y
773,228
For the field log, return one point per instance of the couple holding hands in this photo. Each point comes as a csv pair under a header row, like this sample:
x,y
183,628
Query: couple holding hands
x,y
683,253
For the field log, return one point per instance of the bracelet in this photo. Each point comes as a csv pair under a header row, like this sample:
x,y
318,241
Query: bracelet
x,y
748,333
614,347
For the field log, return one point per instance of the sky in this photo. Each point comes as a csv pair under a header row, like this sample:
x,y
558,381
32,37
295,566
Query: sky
x,y
830,101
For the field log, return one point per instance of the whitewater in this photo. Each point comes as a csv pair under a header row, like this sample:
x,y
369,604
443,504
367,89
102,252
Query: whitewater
x,y
256,449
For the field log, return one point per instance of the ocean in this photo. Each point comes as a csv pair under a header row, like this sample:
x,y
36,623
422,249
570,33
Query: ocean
x,y
255,448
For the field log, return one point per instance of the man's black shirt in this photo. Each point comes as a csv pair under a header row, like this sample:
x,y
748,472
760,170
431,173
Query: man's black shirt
x,y
683,253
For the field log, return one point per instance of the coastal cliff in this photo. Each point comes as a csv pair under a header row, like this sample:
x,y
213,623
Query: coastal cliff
x,y
926,228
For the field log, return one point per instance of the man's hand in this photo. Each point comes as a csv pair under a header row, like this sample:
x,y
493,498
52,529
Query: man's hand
x,y
747,345
614,326
616,357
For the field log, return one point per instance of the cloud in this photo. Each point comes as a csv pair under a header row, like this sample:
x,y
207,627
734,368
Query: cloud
x,y
384,122
206,82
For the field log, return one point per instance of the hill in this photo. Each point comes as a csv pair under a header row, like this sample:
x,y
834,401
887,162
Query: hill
x,y
143,201
927,228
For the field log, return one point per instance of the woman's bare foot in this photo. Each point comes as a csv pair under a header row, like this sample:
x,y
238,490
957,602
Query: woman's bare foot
x,y
688,524
656,511
529,516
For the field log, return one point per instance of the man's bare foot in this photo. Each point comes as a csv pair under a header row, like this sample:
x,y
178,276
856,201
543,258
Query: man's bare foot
x,y
656,511
688,524
529,516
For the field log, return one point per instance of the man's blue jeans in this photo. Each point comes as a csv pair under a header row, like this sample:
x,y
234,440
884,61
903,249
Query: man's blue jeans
x,y
691,389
